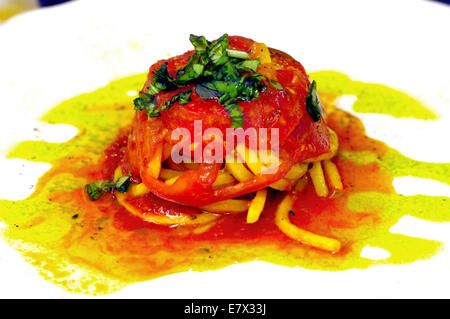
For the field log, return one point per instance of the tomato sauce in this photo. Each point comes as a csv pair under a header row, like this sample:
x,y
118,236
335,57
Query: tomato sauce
x,y
147,250
112,248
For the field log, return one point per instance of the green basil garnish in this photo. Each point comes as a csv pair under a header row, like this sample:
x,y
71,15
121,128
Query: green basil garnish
x,y
96,189
312,103
217,72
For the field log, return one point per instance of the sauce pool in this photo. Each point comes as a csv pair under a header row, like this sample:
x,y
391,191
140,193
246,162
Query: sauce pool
x,y
61,231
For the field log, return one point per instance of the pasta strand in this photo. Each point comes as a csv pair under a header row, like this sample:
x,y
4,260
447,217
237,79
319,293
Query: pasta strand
x,y
238,170
298,234
199,219
229,205
318,179
333,176
256,206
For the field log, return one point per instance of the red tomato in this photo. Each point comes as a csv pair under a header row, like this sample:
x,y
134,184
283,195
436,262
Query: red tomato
x,y
284,109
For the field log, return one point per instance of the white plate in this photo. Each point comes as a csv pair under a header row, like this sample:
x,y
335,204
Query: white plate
x,y
50,55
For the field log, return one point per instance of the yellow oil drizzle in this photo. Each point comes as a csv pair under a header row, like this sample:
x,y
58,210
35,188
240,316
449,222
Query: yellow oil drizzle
x,y
39,227
373,98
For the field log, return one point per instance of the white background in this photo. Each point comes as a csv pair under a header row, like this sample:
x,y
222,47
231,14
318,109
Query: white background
x,y
49,55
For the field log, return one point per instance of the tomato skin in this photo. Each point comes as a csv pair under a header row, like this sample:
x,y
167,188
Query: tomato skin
x,y
281,109
308,140
173,64
284,109
154,205
240,43
285,76
211,113
194,187
274,109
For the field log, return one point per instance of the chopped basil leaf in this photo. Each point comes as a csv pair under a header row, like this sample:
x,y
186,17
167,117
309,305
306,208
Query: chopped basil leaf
x,y
275,84
223,88
197,62
227,72
96,189
191,71
250,87
182,98
199,42
123,183
145,102
198,68
162,81
206,92
235,112
218,50
248,66
237,54
245,90
313,104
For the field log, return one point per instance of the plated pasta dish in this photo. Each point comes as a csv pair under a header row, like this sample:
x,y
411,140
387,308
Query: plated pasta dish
x,y
220,131
228,153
